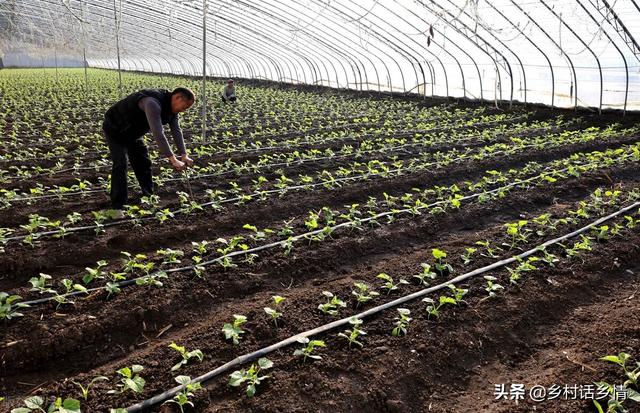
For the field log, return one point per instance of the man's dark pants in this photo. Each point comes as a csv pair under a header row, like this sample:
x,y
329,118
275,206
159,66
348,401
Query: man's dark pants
x,y
138,154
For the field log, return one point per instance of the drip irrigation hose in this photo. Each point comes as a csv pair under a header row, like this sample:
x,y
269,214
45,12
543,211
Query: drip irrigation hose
x,y
253,194
259,193
274,165
320,117
162,397
283,243
98,167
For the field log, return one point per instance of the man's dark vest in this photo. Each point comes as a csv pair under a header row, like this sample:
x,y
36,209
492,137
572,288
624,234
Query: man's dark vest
x,y
125,121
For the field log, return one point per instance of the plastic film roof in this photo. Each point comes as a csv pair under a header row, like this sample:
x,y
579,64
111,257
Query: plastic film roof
x,y
558,52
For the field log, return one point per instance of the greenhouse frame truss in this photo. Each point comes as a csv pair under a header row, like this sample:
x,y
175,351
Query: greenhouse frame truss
x,y
563,53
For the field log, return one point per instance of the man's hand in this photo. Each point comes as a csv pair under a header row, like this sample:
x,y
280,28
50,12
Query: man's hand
x,y
177,164
188,161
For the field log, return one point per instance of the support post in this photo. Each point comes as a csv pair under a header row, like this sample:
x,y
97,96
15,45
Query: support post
x,y
117,26
204,70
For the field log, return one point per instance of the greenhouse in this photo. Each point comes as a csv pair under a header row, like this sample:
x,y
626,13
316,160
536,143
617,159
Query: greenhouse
x,y
319,206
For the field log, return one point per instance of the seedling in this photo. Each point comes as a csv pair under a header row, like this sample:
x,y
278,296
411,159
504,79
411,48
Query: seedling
x,y
112,285
517,233
130,380
389,285
426,274
492,287
37,404
257,234
489,252
433,309
9,305
621,360
232,331
39,284
198,269
85,390
332,304
94,273
251,376
152,280
441,266
170,256
188,390
164,215
363,294
466,257
308,348
458,293
403,320
549,258
273,313
614,405
69,287
200,248
133,262
578,247
186,355
352,335
287,229
601,233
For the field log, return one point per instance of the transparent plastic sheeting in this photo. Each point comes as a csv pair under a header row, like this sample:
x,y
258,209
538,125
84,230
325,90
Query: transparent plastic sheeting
x,y
560,52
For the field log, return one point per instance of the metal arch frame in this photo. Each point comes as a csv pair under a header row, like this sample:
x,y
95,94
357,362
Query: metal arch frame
x,y
571,66
191,46
278,68
184,70
524,75
391,45
129,31
310,34
431,70
588,48
42,33
629,40
464,34
267,55
197,56
308,61
460,66
624,59
534,45
331,45
441,33
266,34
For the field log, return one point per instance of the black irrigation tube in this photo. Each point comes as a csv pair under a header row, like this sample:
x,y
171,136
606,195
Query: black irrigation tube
x,y
274,165
297,131
305,235
141,406
97,166
245,137
259,193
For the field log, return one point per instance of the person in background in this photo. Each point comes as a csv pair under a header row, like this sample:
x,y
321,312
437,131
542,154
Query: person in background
x,y
127,121
228,93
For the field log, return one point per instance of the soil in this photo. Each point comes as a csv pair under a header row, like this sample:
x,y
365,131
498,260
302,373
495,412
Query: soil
x,y
550,328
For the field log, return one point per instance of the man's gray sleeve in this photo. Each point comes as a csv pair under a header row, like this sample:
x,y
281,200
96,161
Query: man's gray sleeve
x,y
152,109
176,132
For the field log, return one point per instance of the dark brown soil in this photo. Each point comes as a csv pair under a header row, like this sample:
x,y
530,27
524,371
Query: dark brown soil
x,y
551,328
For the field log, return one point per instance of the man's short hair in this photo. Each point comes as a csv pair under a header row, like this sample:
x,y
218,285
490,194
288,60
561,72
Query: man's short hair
x,y
186,93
